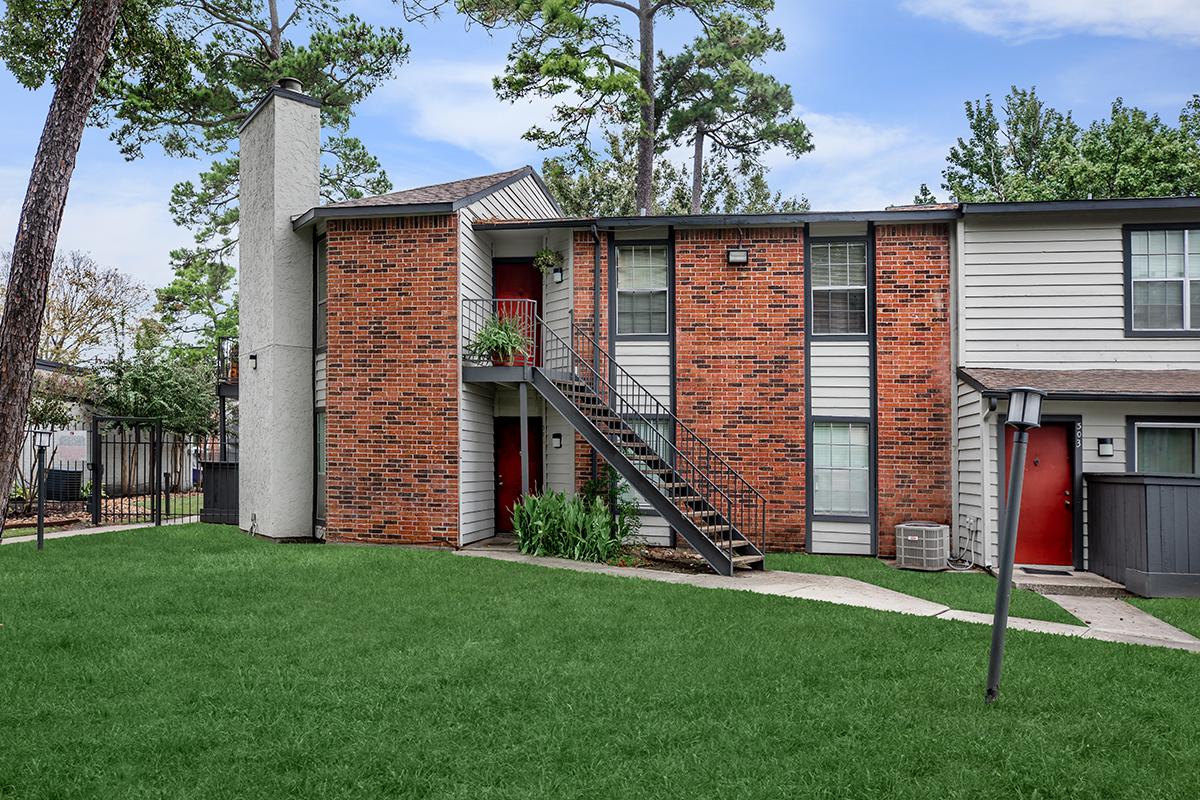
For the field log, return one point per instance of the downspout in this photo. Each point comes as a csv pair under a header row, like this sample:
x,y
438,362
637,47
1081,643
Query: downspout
x,y
595,320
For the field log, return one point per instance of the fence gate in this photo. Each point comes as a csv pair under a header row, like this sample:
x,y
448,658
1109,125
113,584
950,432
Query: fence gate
x,y
138,474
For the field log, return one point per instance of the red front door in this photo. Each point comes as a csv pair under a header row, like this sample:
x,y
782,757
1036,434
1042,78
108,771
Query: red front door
x,y
1046,530
519,281
508,466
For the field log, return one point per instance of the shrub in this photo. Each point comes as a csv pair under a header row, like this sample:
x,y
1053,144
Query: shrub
x,y
553,524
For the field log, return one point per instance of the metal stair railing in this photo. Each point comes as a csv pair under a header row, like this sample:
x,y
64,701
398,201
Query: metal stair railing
x,y
582,364
712,477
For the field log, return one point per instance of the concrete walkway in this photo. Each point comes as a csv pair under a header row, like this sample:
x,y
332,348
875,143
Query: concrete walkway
x,y
1103,622
92,531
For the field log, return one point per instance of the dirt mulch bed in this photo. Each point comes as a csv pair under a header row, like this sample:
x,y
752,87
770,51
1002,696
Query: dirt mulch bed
x,y
671,559
58,523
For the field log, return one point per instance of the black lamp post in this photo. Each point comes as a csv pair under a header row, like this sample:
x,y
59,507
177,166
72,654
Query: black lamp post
x,y
1024,414
41,440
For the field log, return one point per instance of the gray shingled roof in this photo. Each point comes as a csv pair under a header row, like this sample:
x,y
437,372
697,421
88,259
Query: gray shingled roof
x,y
437,193
1084,383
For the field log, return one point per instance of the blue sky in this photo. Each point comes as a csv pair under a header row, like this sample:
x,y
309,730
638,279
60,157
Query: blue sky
x,y
880,82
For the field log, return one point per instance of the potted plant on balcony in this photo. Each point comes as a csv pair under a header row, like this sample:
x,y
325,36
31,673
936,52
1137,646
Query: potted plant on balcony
x,y
501,341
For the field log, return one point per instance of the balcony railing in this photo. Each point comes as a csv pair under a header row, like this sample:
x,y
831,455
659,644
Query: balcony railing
x,y
227,360
486,321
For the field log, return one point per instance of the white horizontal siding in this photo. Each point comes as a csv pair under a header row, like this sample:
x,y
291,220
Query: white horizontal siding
x,y
841,538
654,531
320,378
477,484
970,453
649,363
558,463
840,379
1048,292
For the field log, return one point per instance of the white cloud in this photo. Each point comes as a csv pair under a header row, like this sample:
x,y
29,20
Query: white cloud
x,y
454,102
858,164
1023,20
121,219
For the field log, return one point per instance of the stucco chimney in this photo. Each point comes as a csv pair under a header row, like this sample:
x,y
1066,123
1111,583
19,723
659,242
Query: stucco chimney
x,y
280,151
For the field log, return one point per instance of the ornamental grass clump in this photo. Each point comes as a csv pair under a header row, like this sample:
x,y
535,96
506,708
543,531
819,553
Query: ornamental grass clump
x,y
501,340
553,524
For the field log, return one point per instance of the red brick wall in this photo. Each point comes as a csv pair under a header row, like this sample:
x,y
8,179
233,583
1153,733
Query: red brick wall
x,y
740,362
584,285
912,321
393,378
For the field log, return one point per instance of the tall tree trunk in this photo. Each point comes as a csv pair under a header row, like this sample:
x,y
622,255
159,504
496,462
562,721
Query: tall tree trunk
x,y
645,168
41,217
698,170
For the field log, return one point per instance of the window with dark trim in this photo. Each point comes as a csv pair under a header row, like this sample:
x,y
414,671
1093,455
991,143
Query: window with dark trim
x,y
642,289
1163,281
321,462
839,287
841,468
1171,448
321,334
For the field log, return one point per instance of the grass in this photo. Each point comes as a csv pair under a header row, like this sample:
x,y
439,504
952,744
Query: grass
x,y
1182,612
965,591
195,662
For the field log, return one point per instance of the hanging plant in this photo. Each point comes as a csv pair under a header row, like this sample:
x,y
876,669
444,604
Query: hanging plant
x,y
547,260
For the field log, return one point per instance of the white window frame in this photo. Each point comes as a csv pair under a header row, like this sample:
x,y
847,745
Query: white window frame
x,y
1194,427
864,288
863,515
1186,279
665,290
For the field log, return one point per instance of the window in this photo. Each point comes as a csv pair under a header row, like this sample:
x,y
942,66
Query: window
x,y
322,461
321,334
841,460
839,287
1170,448
642,291
1164,275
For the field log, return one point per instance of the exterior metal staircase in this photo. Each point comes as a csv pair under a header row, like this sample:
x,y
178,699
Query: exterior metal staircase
x,y
697,492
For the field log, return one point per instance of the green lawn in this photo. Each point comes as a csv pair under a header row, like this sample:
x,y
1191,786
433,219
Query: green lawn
x,y
1182,612
195,662
965,591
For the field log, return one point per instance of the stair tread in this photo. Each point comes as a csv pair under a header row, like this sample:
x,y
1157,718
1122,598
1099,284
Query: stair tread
x,y
740,561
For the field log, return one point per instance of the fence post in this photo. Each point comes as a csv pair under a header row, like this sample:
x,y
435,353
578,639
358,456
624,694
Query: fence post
x,y
41,499
97,467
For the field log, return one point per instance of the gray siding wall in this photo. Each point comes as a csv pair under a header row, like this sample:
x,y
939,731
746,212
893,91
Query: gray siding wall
x,y
319,377
1048,291
522,200
477,482
970,453
840,379
841,538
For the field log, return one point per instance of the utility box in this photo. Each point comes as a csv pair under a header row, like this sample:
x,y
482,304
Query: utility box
x,y
922,546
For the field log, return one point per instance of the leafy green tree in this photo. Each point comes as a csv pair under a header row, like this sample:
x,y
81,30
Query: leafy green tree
x,y
604,186
1014,158
1034,152
924,196
711,93
184,76
579,53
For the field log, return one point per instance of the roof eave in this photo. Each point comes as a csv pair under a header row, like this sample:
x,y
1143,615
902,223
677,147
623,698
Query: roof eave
x,y
726,220
1076,206
314,215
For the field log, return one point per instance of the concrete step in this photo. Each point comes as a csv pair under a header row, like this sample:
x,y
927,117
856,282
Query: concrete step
x,y
1071,582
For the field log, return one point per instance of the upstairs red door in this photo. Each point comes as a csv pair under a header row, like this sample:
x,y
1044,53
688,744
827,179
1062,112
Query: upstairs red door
x,y
508,466
1046,530
519,281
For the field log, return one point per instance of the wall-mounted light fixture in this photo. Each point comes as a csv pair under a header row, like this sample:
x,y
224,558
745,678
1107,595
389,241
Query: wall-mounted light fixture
x,y
558,274
253,361
737,256
556,441
1104,447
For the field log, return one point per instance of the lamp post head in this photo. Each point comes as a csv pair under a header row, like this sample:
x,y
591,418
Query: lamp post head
x,y
42,438
1025,408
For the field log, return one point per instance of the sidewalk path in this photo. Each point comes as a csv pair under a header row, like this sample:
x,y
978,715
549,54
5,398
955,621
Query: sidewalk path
x,y
91,531
1104,623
